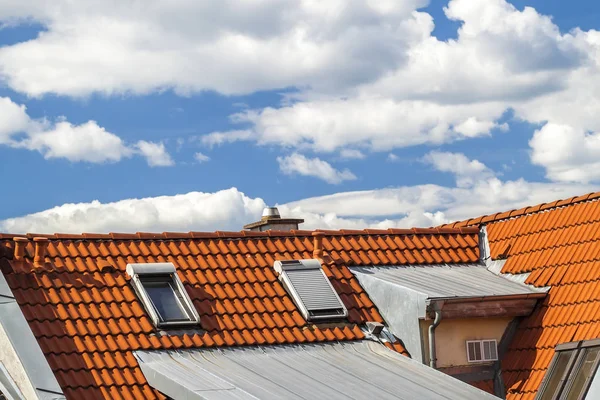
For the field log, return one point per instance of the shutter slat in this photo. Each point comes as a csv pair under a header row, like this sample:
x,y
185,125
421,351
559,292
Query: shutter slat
x,y
313,289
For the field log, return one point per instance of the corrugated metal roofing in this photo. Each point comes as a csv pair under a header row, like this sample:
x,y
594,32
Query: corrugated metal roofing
x,y
351,370
444,280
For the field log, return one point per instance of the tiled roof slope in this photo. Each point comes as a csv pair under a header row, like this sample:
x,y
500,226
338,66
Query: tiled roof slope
x,y
485,219
559,245
87,319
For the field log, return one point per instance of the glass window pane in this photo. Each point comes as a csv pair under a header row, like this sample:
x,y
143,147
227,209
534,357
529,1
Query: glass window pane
x,y
486,350
471,351
493,350
165,301
580,376
558,370
594,390
478,351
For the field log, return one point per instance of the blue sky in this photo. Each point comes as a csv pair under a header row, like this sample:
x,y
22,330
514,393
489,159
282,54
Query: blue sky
x,y
501,140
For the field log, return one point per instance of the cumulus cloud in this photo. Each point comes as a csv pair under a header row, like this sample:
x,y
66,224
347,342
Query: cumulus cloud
x,y
372,122
156,154
467,172
502,59
87,142
226,209
367,74
567,153
423,205
298,164
13,119
430,205
231,46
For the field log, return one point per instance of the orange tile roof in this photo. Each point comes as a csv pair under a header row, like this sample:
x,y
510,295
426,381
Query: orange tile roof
x,y
484,219
87,319
559,245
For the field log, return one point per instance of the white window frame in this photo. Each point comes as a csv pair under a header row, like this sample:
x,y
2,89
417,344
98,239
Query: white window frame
x,y
577,352
162,273
480,342
282,266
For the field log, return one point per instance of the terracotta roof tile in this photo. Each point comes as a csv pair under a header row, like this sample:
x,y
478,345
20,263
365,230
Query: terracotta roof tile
x,y
88,320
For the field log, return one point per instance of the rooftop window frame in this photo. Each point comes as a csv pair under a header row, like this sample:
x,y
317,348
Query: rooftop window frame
x,y
312,315
578,352
142,274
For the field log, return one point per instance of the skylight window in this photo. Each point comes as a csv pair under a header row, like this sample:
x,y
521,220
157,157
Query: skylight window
x,y
310,289
572,371
163,295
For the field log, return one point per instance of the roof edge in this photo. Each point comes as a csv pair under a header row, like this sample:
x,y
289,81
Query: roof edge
x,y
499,216
244,234
478,299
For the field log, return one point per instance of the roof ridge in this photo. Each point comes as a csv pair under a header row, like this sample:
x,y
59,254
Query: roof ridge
x,y
243,234
527,210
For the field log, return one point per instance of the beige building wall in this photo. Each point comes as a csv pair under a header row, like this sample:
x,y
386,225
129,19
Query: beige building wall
x,y
451,336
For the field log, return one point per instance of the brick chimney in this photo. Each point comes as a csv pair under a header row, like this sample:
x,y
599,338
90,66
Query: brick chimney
x,y
271,220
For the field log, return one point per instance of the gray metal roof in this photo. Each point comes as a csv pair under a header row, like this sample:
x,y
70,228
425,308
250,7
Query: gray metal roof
x,y
351,370
447,281
27,349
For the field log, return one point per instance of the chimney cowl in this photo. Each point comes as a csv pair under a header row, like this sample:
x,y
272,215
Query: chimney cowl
x,y
318,244
270,213
20,244
41,243
271,220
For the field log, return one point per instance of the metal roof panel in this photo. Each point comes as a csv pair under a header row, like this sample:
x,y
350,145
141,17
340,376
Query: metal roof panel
x,y
444,280
362,369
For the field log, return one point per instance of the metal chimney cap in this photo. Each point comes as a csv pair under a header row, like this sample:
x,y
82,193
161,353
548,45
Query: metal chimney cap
x,y
271,212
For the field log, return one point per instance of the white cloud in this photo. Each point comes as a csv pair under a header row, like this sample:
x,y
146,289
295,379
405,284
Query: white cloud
x,y
430,205
226,209
443,91
392,157
155,153
200,157
298,164
501,54
87,142
368,74
567,153
472,127
423,205
467,172
229,46
351,154
219,138
13,119
373,122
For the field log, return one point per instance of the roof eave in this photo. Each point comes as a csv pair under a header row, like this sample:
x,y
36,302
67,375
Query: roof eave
x,y
513,305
